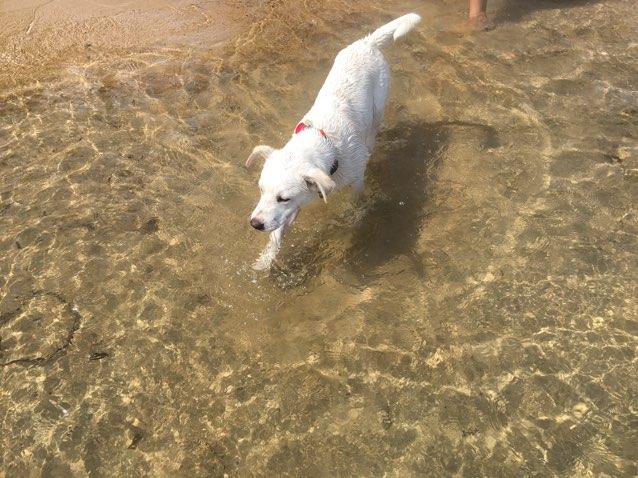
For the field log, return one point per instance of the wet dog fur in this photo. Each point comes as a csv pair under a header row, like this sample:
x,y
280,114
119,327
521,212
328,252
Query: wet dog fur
x,y
331,145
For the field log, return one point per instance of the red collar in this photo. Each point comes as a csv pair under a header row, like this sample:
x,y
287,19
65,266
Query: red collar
x,y
301,126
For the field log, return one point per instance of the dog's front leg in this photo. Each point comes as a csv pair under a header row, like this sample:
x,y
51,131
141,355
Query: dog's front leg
x,y
271,250
269,254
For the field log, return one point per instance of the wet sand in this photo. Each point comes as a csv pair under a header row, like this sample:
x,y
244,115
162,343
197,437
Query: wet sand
x,y
41,33
474,314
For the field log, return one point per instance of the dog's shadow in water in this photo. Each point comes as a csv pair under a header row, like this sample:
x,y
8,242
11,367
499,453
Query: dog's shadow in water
x,y
399,179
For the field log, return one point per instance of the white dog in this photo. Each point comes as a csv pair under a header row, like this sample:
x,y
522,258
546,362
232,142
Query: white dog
x,y
331,145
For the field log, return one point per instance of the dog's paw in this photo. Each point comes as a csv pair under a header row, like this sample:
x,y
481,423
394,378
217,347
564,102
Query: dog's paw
x,y
263,263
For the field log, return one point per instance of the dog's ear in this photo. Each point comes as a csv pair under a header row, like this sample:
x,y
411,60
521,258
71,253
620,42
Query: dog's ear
x,y
320,179
259,152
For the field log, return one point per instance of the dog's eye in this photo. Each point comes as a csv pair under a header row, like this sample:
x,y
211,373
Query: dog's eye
x,y
281,199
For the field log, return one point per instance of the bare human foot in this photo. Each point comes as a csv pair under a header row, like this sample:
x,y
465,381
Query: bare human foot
x,y
478,23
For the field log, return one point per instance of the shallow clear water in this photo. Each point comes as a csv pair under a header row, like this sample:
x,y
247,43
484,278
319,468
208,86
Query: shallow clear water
x,y
473,314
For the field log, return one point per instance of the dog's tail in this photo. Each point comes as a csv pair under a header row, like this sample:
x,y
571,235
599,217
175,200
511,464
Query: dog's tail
x,y
393,30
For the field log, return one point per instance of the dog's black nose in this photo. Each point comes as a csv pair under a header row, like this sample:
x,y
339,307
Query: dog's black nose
x,y
257,224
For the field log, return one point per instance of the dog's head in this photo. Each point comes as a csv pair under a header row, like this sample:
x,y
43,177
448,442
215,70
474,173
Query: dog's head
x,y
289,179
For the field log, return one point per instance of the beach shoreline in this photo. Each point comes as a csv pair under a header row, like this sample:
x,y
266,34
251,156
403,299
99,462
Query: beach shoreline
x,y
40,35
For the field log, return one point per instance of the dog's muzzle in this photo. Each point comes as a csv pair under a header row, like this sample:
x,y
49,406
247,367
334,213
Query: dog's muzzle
x,y
257,224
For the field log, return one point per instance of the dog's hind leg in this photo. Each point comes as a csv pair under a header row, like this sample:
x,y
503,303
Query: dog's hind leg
x,y
359,160
358,187
380,94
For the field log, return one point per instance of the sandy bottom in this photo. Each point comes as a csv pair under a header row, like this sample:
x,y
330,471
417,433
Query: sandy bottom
x,y
47,33
473,314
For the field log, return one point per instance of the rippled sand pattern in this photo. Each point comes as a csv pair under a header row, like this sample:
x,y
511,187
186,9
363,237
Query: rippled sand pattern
x,y
474,314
